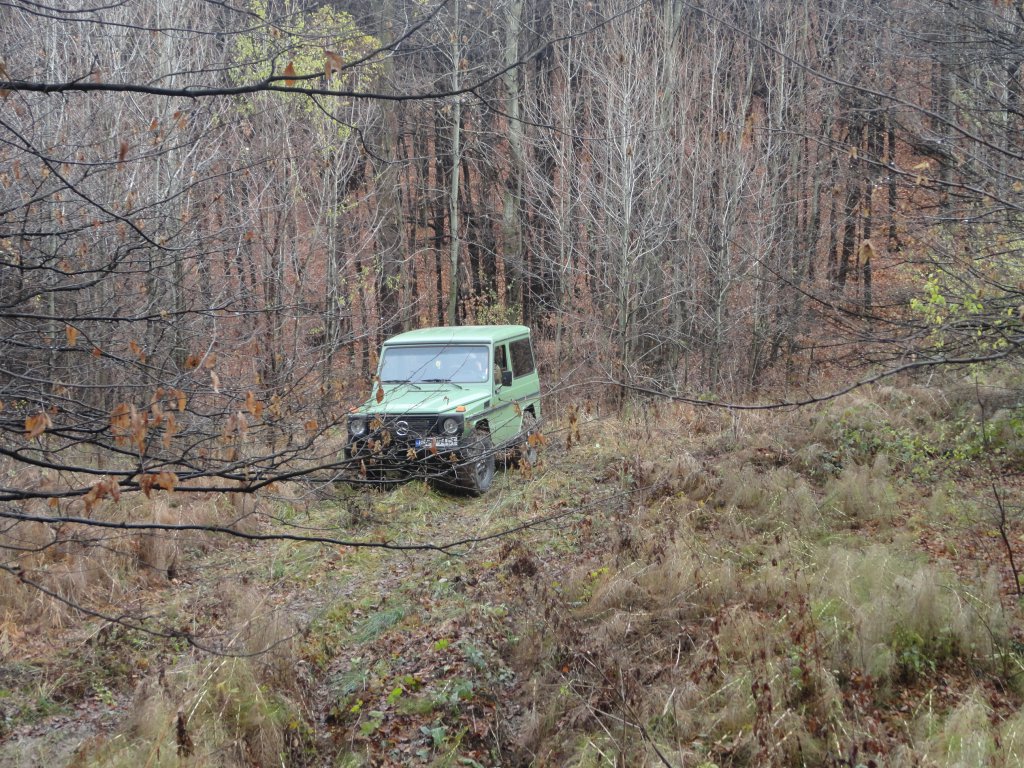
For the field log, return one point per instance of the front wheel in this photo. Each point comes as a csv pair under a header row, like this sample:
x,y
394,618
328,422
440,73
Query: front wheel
x,y
476,473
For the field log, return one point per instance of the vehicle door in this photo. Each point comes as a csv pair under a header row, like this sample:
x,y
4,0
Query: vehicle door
x,y
525,381
504,420
523,391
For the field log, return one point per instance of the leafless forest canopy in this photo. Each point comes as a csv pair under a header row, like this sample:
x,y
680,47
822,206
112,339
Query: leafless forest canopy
x,y
212,212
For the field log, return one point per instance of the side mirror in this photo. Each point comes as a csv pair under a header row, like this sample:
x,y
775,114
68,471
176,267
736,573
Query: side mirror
x,y
506,378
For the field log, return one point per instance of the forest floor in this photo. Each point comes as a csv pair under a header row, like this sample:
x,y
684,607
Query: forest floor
x,y
674,586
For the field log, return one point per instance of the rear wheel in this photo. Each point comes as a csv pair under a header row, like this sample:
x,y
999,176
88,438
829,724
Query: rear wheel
x,y
528,448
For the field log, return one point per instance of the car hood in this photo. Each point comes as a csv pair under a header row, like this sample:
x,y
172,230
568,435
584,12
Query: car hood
x,y
424,398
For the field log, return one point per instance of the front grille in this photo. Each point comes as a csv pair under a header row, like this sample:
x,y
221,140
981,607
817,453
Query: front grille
x,y
413,426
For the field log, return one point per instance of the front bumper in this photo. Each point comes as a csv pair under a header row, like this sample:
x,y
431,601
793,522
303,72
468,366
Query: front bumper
x,y
427,453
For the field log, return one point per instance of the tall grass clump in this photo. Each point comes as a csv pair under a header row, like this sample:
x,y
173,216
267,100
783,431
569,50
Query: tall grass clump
x,y
896,621
963,738
214,713
862,494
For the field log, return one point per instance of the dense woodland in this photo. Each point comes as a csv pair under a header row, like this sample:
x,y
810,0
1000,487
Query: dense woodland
x,y
217,199
771,255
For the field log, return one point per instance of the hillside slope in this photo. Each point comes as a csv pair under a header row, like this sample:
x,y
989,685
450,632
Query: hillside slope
x,y
672,587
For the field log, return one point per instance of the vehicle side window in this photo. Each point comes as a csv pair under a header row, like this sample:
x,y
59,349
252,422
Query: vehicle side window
x,y
522,357
500,362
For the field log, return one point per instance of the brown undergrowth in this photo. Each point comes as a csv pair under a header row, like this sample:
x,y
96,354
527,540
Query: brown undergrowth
x,y
701,588
760,599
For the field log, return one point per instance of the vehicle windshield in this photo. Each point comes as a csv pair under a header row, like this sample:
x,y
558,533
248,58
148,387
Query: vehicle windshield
x,y
458,364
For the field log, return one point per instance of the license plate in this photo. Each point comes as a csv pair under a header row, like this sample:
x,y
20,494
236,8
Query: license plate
x,y
440,442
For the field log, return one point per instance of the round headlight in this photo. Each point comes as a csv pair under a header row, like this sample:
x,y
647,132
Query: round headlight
x,y
450,426
357,427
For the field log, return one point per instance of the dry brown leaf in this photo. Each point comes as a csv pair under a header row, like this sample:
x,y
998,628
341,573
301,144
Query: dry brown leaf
x,y
170,430
254,406
216,381
332,63
72,333
121,421
36,424
167,480
106,487
289,74
137,350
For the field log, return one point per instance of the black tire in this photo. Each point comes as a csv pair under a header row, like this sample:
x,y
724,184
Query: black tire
x,y
476,473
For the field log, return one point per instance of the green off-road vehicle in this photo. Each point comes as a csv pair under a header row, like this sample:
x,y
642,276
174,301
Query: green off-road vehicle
x,y
448,403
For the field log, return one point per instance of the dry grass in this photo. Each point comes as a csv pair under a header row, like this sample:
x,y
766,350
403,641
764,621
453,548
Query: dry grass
x,y
745,626
727,590
896,621
215,712
97,567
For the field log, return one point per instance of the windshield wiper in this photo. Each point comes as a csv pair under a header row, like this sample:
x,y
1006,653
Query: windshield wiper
x,y
441,381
